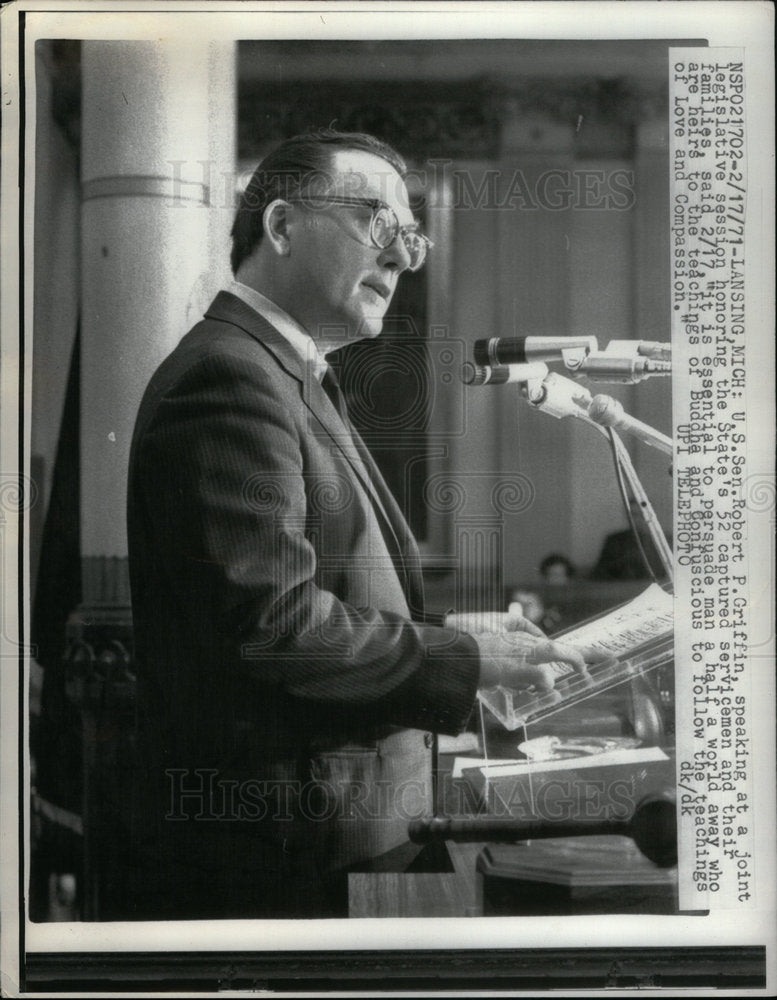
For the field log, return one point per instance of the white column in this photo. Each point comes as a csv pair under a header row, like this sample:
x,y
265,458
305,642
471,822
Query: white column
x,y
158,168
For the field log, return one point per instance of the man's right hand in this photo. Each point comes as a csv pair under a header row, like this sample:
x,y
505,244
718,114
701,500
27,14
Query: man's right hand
x,y
518,660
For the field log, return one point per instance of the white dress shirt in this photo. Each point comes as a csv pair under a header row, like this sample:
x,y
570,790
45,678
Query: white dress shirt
x,y
288,328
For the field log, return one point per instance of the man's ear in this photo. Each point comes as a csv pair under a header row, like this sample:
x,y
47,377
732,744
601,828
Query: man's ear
x,y
275,222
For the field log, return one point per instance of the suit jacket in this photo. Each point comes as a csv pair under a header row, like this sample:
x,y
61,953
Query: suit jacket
x,y
286,673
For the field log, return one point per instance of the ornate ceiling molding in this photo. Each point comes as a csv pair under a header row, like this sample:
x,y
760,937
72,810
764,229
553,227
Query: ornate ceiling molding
x,y
461,120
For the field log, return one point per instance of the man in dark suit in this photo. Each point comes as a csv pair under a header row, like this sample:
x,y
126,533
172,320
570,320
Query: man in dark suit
x,y
289,681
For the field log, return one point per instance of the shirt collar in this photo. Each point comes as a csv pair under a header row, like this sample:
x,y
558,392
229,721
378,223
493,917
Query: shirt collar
x,y
288,328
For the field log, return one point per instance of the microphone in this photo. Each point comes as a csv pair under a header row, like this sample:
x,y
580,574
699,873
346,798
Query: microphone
x,y
653,828
641,348
625,362
547,391
496,351
475,374
622,370
559,396
608,412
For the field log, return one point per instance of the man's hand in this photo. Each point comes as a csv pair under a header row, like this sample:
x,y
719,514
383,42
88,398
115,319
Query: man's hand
x,y
521,660
479,622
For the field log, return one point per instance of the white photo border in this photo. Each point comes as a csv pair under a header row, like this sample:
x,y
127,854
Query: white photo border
x,y
721,23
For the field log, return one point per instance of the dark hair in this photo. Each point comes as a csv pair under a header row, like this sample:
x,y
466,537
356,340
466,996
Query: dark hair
x,y
555,558
291,167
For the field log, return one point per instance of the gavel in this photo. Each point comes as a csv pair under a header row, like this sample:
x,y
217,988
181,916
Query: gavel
x,y
652,827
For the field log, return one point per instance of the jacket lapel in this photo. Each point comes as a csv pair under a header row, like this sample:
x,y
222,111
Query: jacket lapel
x,y
229,308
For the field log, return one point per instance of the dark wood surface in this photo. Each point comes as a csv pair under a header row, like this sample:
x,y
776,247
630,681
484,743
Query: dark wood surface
x,y
574,875
408,895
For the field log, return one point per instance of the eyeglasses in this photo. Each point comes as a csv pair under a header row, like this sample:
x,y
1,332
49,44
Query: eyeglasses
x,y
384,225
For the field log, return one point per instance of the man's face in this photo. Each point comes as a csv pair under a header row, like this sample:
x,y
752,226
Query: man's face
x,y
342,283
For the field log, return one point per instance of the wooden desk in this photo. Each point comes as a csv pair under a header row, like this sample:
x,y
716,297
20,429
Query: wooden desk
x,y
574,875
408,895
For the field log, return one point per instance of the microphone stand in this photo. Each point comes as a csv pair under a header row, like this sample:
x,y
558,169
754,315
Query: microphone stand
x,y
647,513
652,827
561,397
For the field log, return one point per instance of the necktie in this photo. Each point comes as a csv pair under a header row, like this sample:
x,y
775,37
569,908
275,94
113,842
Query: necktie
x,y
331,387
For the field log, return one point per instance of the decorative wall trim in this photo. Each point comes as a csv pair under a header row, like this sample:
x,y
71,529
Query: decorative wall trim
x,y
461,119
145,186
456,119
424,118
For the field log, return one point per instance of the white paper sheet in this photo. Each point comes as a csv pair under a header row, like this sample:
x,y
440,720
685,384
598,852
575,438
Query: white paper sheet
x,y
509,768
